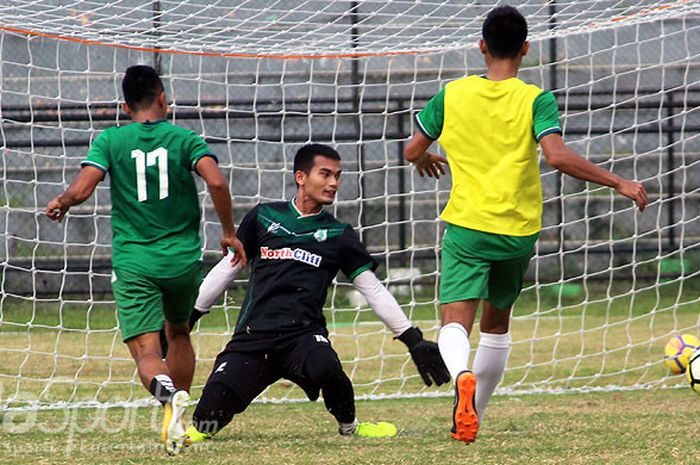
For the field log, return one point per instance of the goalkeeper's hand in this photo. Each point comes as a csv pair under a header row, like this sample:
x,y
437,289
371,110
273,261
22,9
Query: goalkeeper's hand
x,y
426,356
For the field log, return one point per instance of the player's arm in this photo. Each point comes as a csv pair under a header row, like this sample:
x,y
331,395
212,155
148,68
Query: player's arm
x,y
562,158
547,131
222,275
219,278
220,195
425,354
426,163
79,190
429,123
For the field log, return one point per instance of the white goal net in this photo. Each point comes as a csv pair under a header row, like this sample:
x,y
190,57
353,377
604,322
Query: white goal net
x,y
258,78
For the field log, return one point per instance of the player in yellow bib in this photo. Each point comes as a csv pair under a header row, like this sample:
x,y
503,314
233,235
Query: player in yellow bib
x,y
489,127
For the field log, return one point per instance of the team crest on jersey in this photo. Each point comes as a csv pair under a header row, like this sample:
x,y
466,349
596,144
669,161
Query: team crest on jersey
x,y
273,227
321,235
288,253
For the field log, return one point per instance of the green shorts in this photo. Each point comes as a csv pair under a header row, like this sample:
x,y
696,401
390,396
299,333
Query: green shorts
x,y
142,302
481,265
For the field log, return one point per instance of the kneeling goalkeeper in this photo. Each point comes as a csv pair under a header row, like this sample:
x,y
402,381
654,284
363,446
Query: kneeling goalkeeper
x,y
296,248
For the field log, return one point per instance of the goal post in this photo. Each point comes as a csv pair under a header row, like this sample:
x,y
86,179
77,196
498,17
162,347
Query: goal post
x,y
607,287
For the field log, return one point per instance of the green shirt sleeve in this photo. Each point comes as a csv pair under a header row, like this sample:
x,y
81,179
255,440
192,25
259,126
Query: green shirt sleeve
x,y
545,116
430,118
98,154
198,148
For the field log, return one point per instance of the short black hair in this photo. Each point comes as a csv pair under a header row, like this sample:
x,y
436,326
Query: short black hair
x,y
504,31
141,86
304,159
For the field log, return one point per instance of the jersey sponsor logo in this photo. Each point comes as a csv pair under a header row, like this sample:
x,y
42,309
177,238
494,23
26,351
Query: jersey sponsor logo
x,y
321,235
287,253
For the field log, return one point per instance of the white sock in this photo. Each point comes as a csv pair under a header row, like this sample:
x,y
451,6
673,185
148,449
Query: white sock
x,y
489,365
453,341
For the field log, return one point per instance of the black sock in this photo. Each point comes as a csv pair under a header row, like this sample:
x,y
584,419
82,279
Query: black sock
x,y
162,388
339,398
322,368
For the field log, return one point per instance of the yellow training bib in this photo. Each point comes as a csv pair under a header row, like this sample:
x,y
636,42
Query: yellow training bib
x,y
488,137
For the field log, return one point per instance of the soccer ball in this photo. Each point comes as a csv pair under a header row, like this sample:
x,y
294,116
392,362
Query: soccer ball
x,y
678,351
693,372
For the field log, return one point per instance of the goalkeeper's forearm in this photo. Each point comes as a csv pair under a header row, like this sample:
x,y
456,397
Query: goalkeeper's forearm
x,y
382,302
215,283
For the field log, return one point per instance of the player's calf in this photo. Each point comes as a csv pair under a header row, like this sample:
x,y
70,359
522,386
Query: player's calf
x,y
216,408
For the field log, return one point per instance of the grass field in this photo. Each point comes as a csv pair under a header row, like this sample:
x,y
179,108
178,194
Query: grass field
x,y
57,351
638,427
591,340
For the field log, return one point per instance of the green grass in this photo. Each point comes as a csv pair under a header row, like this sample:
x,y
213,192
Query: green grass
x,y
596,299
560,340
640,427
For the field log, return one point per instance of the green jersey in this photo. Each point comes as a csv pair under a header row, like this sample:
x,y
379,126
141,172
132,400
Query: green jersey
x,y
155,206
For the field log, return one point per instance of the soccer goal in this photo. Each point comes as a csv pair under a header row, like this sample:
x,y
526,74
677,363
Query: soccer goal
x,y
606,289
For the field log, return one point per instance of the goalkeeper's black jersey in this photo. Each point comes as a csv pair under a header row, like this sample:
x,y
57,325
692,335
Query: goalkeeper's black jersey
x,y
293,260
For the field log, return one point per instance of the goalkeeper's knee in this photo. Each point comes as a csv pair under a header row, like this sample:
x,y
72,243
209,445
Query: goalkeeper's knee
x,y
322,366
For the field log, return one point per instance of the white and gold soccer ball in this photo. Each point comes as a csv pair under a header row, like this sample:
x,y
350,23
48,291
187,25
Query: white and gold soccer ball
x,y
678,350
693,372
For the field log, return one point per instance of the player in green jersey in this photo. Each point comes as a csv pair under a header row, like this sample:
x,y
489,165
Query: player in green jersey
x,y
489,127
156,247
296,249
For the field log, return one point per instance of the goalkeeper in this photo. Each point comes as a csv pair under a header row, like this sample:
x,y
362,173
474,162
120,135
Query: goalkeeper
x,y
296,249
489,127
156,247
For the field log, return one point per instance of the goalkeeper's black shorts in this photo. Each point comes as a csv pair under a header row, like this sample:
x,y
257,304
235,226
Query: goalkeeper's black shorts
x,y
249,373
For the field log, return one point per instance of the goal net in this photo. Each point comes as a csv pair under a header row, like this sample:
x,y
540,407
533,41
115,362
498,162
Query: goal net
x,y
608,285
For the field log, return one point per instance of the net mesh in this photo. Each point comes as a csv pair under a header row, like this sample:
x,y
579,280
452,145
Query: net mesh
x,y
312,27
606,289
